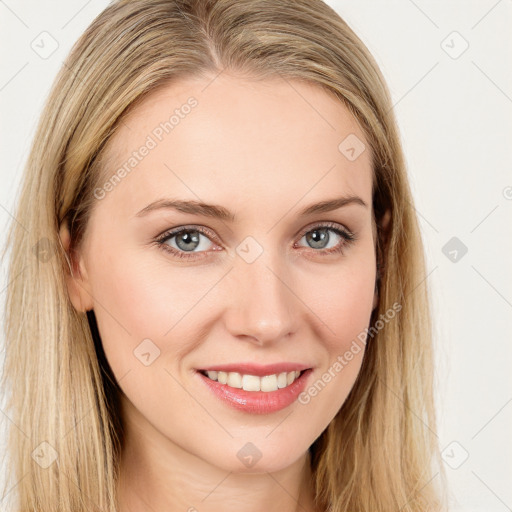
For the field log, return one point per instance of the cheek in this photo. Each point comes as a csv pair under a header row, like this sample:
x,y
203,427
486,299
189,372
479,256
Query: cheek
x,y
344,303
147,315
346,306
342,296
140,297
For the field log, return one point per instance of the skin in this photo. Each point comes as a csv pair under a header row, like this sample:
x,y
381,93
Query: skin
x,y
264,150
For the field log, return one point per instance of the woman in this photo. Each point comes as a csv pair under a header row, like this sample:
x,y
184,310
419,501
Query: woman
x,y
222,295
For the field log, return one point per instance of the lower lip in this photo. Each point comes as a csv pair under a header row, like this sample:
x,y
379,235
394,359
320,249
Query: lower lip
x,y
258,402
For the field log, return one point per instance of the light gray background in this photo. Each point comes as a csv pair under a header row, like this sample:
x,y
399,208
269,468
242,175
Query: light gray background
x,y
454,110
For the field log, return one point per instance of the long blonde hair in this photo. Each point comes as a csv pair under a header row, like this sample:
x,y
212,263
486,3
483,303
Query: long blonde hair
x,y
380,452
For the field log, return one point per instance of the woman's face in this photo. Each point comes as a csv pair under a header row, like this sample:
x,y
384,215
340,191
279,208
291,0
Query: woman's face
x,y
255,281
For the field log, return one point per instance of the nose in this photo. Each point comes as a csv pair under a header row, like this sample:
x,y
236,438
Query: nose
x,y
262,307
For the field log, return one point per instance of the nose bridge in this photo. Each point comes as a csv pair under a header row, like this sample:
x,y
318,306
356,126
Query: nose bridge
x,y
262,304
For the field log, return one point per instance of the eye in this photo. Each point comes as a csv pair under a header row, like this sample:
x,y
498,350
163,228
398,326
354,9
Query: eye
x,y
192,242
320,237
183,242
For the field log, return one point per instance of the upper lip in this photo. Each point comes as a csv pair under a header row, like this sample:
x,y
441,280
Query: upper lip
x,y
256,369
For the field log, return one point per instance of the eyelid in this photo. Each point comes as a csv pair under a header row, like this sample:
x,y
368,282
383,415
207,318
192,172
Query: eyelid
x,y
188,227
325,224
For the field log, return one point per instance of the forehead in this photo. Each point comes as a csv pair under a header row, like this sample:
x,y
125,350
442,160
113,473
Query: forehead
x,y
240,142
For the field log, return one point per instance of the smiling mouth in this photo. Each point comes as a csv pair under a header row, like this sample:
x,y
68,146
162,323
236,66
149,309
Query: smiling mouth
x,y
266,383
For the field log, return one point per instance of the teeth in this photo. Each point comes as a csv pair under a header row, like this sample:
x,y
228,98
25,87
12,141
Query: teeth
x,y
251,383
269,383
254,383
281,380
234,380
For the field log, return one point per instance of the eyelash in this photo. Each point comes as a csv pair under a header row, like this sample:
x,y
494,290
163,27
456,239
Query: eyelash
x,y
348,238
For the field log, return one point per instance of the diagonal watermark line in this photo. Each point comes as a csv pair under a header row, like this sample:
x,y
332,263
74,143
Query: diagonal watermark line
x,y
115,381
14,76
285,490
13,218
212,80
416,492
121,119
423,217
300,199
508,508
216,486
423,280
426,220
87,413
332,332
199,198
414,86
484,218
492,81
492,418
199,403
165,165
76,14
493,287
13,487
406,406
424,14
82,493
279,423
17,426
79,421
211,288
13,279
307,102
485,15
105,309
2,2
126,373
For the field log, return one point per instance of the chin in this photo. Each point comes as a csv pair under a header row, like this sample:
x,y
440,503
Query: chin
x,y
258,456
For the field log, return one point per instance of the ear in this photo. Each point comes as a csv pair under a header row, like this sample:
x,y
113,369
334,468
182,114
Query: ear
x,y
382,232
76,274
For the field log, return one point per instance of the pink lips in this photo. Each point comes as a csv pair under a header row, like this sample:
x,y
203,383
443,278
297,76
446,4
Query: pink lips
x,y
258,402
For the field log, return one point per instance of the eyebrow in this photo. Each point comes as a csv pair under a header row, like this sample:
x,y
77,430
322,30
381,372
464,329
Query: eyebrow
x,y
219,212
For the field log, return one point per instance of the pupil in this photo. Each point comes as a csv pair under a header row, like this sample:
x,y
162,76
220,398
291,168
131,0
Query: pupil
x,y
188,237
318,237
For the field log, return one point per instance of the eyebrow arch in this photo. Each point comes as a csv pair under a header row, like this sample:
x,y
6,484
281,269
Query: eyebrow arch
x,y
219,212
